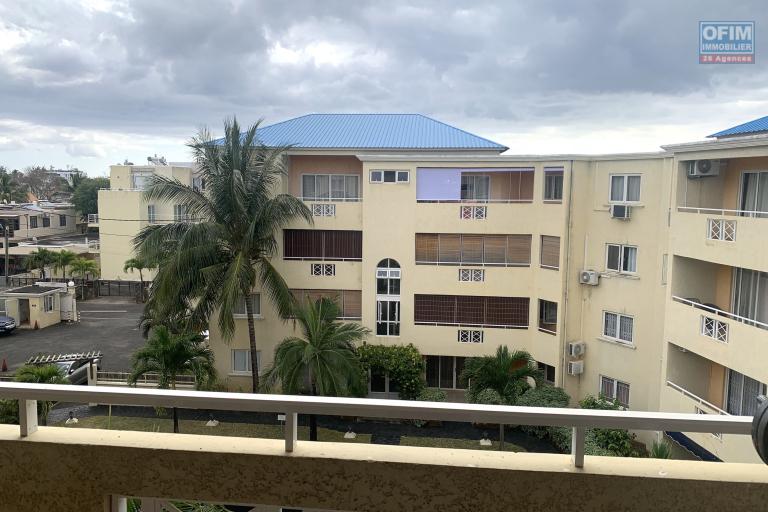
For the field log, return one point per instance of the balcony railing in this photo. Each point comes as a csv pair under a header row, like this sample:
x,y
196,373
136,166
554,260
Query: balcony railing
x,y
93,218
723,230
700,402
331,199
722,211
291,405
720,312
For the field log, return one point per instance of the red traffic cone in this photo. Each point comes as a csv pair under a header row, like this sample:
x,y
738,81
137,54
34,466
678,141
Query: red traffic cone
x,y
4,368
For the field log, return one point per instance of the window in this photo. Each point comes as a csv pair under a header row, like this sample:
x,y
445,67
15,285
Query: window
x,y
33,222
151,215
742,394
475,187
467,336
618,327
444,372
471,311
324,210
721,229
140,179
497,250
316,244
471,275
625,188
473,212
3,308
613,389
46,221
550,252
621,258
553,183
547,371
16,224
714,328
388,298
390,176
379,382
48,302
62,220
334,187
198,183
255,306
548,316
241,360
180,213
348,301
322,269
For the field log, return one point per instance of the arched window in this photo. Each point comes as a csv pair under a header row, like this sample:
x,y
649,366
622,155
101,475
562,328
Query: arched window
x,y
388,298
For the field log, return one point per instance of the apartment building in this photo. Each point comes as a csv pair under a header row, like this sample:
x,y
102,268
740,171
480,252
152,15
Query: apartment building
x,y
638,276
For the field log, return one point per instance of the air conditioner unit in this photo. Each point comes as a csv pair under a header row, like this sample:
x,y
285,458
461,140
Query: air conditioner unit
x,y
575,367
589,277
621,211
703,168
577,349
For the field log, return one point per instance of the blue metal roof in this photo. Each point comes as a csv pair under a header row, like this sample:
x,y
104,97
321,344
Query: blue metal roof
x,y
371,131
755,126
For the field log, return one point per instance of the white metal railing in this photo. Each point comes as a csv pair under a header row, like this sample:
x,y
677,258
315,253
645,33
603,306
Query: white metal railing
x,y
147,378
723,230
722,211
475,201
714,328
324,210
331,199
700,401
94,245
93,218
720,312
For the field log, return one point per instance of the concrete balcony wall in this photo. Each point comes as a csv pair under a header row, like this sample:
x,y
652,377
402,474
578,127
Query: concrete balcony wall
x,y
57,469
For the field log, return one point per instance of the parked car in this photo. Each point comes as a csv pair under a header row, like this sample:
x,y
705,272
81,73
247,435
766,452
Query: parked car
x,y
7,324
76,372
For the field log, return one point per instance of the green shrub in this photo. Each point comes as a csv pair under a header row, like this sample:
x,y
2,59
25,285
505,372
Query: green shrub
x,y
543,396
487,396
429,395
661,450
403,364
616,441
9,411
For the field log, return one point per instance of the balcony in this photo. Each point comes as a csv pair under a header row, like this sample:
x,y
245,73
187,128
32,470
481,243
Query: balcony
x,y
45,467
93,220
345,213
729,237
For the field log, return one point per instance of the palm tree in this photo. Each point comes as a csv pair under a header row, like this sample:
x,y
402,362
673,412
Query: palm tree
x,y
140,265
212,263
83,267
40,258
48,374
10,188
170,355
506,373
63,260
324,361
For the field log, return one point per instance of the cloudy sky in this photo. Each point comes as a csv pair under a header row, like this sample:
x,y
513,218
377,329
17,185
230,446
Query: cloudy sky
x,y
94,82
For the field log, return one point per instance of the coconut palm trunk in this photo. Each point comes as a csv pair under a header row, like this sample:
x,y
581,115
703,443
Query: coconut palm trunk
x,y
313,419
252,343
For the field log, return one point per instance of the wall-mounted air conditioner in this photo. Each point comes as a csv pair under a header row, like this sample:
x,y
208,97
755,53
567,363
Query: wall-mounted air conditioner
x,y
577,349
621,211
703,168
589,277
575,367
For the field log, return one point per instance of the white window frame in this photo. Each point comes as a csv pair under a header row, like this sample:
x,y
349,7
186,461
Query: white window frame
x,y
473,212
49,302
323,210
248,370
474,178
394,301
257,303
622,258
471,275
550,174
151,214
322,269
456,377
180,213
722,230
398,175
714,328
615,385
472,336
330,187
618,338
625,188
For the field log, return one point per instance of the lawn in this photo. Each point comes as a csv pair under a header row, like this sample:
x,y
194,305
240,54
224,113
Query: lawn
x,y
462,444
198,427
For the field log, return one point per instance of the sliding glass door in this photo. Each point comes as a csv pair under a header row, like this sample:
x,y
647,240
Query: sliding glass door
x,y
750,294
754,194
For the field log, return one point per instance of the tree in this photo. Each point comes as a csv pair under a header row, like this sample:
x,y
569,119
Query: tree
x,y
83,267
63,260
170,355
43,183
211,264
11,190
39,259
48,374
506,373
140,265
86,194
324,360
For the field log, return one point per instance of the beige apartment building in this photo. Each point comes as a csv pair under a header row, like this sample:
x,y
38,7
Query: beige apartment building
x,y
638,276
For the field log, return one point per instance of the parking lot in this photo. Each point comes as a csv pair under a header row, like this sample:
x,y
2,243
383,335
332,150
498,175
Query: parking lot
x,y
108,324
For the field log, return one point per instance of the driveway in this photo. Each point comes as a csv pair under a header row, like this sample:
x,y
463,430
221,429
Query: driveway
x,y
109,324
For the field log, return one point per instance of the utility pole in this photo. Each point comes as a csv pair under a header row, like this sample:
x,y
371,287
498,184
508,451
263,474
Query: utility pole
x,y
5,245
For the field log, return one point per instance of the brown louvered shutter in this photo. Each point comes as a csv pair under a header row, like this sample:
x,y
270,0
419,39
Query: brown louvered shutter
x,y
426,247
434,309
526,186
347,245
550,251
450,248
507,311
470,310
471,248
494,249
303,243
352,304
518,249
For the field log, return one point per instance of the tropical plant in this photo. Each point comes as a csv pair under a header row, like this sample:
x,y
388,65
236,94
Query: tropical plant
x,y
543,395
506,372
617,441
86,194
139,265
9,412
429,395
83,267
63,260
661,450
48,374
170,355
324,360
212,263
488,396
402,363
39,259
11,190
